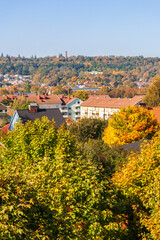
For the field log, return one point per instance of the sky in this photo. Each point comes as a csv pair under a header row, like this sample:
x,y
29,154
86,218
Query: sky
x,y
80,27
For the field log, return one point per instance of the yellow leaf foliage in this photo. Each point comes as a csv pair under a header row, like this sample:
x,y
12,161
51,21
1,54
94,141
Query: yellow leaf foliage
x,y
139,179
129,125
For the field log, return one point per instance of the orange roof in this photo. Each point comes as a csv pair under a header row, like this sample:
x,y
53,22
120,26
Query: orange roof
x,y
111,102
100,96
5,128
156,112
65,99
39,99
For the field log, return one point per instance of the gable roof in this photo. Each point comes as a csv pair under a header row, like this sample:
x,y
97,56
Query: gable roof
x,y
39,99
156,112
135,146
54,113
107,102
2,106
66,100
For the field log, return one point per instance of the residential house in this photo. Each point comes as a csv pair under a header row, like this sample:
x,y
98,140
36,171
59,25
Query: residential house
x,y
43,101
103,106
70,107
6,113
33,113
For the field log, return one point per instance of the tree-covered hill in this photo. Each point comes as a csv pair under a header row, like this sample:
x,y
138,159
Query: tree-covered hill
x,y
78,69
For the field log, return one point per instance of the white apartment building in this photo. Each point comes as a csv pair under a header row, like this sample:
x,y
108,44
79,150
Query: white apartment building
x,y
103,106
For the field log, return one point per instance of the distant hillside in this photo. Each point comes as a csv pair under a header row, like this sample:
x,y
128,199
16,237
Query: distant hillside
x,y
110,71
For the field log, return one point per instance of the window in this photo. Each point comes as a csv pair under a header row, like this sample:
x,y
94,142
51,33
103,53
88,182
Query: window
x,y
78,102
9,117
5,110
1,110
1,118
69,108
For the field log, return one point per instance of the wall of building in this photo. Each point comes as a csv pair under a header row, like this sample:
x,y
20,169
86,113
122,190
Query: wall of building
x,y
14,120
72,109
6,113
49,105
96,112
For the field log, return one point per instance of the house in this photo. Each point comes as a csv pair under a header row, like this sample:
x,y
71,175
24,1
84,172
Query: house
x,y
103,106
44,101
70,107
33,113
6,113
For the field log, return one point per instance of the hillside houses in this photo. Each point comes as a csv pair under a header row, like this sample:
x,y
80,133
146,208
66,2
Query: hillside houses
x,y
100,106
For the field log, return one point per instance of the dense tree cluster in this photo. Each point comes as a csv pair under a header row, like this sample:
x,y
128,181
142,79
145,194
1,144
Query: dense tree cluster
x,y
129,125
67,183
107,70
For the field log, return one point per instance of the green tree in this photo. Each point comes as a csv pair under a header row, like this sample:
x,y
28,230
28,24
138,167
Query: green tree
x,y
6,102
27,87
22,103
152,98
100,153
48,191
87,128
81,94
139,179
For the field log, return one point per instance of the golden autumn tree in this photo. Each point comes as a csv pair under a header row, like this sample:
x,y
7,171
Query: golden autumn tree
x,y
129,125
139,180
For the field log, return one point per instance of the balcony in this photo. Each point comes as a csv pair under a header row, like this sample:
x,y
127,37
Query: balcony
x,y
63,110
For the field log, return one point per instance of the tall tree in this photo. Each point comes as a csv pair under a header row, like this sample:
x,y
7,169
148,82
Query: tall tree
x,y
139,179
152,98
130,124
48,191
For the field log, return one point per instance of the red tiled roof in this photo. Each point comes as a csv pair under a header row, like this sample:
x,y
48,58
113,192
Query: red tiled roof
x,y
156,112
111,102
66,99
5,128
39,99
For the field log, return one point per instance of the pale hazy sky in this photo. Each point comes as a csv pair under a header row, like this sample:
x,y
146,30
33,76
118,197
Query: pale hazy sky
x,y
86,27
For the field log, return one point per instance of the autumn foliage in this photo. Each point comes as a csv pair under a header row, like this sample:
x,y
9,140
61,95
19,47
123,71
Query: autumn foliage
x,y
139,180
129,125
49,191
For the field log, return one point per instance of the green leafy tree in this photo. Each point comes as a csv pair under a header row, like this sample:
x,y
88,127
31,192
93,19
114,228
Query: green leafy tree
x,y
152,98
100,153
7,102
21,103
81,94
87,128
139,179
27,87
48,191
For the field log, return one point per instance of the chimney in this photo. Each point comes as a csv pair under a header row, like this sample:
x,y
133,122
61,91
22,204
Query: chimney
x,y
33,107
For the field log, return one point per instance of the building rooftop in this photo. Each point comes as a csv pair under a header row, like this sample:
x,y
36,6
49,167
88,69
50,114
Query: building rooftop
x,y
107,102
39,99
26,115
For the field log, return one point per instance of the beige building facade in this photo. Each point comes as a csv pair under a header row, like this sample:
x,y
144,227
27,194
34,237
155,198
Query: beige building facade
x,y
103,106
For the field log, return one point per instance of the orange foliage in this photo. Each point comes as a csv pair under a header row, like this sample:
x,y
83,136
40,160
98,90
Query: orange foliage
x,y
129,125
